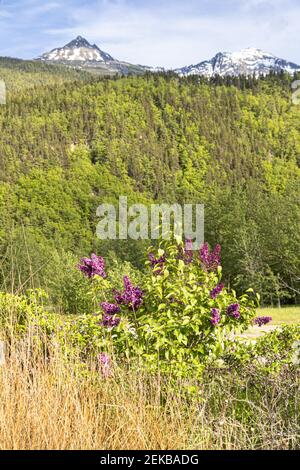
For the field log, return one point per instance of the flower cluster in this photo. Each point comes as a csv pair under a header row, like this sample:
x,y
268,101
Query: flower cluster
x,y
105,364
186,254
210,260
109,320
157,264
110,309
93,266
234,311
260,321
216,290
131,296
215,316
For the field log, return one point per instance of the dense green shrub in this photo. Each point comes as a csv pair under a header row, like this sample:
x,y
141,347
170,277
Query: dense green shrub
x,y
181,315
270,352
17,310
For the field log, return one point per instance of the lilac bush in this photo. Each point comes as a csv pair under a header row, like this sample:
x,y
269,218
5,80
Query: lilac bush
x,y
157,264
105,364
110,321
110,309
180,317
210,260
186,253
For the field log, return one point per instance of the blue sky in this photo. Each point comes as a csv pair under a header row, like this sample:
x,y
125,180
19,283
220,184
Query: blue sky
x,y
166,33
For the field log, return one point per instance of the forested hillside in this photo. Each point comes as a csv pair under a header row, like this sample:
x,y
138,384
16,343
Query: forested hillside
x,y
70,142
22,74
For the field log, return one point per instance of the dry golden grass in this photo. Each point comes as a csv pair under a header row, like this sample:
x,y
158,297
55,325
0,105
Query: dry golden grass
x,y
51,403
48,407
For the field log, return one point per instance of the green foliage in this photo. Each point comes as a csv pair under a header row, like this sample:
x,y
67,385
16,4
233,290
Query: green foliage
x,y
176,315
272,352
281,346
172,329
68,289
16,311
20,75
178,340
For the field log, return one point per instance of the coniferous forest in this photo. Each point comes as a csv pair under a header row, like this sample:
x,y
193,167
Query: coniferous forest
x,y
70,141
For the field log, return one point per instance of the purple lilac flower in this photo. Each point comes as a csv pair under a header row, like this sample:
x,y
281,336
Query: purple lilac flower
x,y
210,260
105,364
109,321
233,311
157,264
187,253
110,309
215,316
93,266
260,321
118,297
131,296
216,290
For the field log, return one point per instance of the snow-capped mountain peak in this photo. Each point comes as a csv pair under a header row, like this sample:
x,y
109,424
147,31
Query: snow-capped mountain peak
x,y
80,54
78,42
247,61
78,50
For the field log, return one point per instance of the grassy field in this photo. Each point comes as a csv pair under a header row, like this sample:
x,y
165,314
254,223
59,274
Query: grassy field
x,y
280,316
287,315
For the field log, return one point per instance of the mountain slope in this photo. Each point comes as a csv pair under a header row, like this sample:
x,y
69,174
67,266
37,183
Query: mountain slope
x,y
25,74
244,62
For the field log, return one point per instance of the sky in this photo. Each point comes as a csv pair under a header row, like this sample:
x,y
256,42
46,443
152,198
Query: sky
x,y
167,33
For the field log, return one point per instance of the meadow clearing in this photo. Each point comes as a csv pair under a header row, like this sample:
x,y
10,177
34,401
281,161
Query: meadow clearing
x,y
287,315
